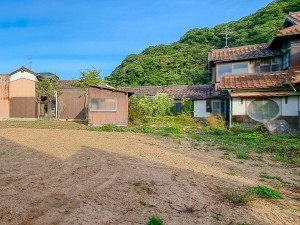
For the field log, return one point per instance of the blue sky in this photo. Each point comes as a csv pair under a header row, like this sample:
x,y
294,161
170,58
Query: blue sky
x,y
68,36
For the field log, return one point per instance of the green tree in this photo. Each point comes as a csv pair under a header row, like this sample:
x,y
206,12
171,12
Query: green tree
x,y
87,77
49,88
185,61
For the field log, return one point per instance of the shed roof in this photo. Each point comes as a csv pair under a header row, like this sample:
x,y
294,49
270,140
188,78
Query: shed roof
x,y
240,53
176,92
67,84
109,88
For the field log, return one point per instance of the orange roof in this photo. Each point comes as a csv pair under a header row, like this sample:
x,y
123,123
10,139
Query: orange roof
x,y
240,53
254,81
294,19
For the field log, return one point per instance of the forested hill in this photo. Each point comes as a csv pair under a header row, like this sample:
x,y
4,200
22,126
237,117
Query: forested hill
x,y
183,62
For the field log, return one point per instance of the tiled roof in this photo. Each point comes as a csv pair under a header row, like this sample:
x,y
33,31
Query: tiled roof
x,y
24,69
240,53
254,81
67,84
262,94
289,30
294,17
295,76
176,92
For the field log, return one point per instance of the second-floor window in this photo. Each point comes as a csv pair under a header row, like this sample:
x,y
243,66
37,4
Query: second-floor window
x,y
232,68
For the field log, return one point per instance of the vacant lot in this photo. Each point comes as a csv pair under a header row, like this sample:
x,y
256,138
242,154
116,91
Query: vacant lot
x,y
68,176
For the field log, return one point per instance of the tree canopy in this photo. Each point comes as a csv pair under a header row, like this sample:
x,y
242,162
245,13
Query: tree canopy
x,y
87,77
184,61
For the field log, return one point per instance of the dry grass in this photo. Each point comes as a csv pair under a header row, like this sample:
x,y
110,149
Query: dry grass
x,y
44,124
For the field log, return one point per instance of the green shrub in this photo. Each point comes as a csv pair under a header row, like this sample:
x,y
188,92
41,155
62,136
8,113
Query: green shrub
x,y
266,192
155,221
175,129
162,104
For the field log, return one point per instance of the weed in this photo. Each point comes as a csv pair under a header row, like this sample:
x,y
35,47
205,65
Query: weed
x,y
279,185
256,165
242,155
146,129
266,192
267,176
143,203
232,171
144,186
215,125
225,156
251,136
155,221
239,196
109,128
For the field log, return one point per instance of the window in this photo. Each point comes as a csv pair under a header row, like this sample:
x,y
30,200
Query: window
x,y
177,108
232,68
216,108
285,61
263,109
103,104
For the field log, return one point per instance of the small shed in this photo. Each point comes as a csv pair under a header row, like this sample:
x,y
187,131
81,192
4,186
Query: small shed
x,y
107,105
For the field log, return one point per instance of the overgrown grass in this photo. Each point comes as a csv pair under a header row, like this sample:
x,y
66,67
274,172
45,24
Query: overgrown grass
x,y
243,142
266,192
267,176
241,196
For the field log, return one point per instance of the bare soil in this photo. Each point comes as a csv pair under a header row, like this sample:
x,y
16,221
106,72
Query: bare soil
x,y
61,176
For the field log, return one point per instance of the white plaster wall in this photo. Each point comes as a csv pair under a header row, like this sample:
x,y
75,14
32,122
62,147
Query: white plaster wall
x,y
22,75
292,106
200,109
237,107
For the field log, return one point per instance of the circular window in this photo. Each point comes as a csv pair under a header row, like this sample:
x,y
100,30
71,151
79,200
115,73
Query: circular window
x,y
263,109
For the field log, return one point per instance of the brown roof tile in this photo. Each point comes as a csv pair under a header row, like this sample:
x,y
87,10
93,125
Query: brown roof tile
x,y
240,53
176,92
294,17
254,81
289,30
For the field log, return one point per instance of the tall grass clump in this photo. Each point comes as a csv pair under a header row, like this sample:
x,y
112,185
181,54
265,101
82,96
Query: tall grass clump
x,y
215,124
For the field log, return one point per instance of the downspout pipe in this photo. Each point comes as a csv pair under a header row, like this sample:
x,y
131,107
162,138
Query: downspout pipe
x,y
230,109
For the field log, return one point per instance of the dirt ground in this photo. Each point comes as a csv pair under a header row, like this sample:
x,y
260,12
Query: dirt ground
x,y
54,176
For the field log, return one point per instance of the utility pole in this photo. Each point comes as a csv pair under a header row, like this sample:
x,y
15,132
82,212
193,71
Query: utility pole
x,y
29,61
226,36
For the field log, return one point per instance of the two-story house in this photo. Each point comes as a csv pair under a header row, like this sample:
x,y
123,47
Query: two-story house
x,y
258,82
